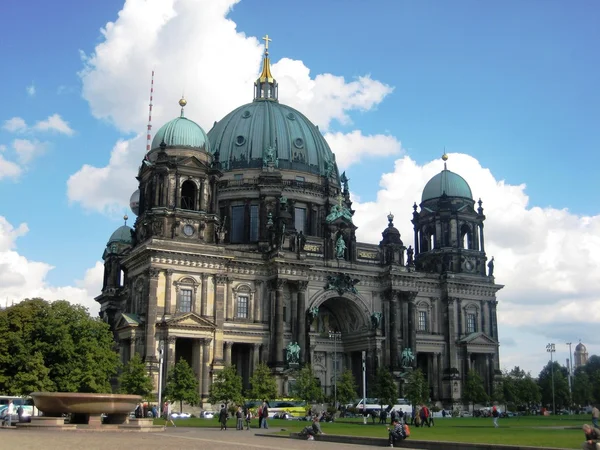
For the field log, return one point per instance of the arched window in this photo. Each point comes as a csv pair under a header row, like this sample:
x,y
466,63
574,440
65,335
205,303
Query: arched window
x,y
466,236
161,191
189,191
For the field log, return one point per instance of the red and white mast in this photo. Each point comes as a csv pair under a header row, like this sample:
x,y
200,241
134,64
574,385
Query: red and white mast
x,y
149,135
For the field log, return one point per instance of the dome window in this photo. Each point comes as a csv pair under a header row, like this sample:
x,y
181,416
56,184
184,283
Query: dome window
x,y
298,143
291,116
246,114
240,140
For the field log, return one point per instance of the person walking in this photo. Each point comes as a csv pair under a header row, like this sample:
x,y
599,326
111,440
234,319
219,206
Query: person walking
x,y
248,418
169,414
595,416
10,410
495,415
223,418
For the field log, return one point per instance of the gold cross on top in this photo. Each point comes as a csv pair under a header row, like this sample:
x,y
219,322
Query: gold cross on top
x,y
267,40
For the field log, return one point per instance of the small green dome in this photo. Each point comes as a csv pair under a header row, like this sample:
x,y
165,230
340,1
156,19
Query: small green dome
x,y
244,135
181,132
122,235
450,183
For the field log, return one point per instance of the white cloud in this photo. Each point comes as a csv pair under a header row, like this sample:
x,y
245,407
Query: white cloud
x,y
54,123
21,278
196,49
27,149
8,169
548,259
350,148
30,89
15,125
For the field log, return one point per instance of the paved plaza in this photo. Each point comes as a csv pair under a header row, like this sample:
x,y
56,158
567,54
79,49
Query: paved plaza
x,y
173,438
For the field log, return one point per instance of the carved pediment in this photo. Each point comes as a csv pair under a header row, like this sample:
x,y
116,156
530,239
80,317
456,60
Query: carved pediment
x,y
192,161
190,320
478,339
128,320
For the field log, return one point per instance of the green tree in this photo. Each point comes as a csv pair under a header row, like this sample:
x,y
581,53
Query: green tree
x,y
528,392
262,383
582,387
346,387
182,385
69,350
416,388
307,386
384,387
134,379
227,387
34,377
473,389
561,385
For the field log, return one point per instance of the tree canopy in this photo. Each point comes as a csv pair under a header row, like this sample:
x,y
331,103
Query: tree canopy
x,y
307,386
416,389
562,398
227,387
473,390
262,384
182,385
346,387
384,387
134,379
54,346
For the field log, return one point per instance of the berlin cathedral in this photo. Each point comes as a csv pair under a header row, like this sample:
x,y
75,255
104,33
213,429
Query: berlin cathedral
x,y
244,244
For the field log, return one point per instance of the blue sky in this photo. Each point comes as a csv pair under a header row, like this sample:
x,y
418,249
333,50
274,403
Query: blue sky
x,y
511,84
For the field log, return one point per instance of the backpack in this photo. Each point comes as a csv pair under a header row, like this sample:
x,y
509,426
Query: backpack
x,y
406,430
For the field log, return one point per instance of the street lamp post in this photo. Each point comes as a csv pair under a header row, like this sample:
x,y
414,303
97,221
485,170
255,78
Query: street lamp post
x,y
570,373
335,335
551,348
161,347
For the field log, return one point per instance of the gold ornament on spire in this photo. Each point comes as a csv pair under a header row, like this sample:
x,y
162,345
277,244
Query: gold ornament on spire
x,y
182,103
445,157
265,76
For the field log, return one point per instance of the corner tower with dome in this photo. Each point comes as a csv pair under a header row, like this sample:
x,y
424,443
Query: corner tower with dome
x,y
245,245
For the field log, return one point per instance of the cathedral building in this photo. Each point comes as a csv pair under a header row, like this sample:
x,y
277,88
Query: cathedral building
x,y
245,246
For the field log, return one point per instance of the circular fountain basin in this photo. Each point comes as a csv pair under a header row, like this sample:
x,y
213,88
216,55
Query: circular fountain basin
x,y
54,403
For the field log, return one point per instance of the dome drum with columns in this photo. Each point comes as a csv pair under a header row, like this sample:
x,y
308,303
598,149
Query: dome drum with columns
x,y
244,244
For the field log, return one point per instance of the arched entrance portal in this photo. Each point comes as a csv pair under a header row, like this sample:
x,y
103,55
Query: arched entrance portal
x,y
338,335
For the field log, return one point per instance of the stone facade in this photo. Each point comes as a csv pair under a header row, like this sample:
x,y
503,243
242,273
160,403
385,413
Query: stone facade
x,y
229,266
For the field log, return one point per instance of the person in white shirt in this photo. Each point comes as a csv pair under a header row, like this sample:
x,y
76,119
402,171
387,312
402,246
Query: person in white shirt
x,y
9,412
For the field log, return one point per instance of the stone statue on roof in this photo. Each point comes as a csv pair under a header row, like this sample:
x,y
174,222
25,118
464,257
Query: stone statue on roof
x,y
339,210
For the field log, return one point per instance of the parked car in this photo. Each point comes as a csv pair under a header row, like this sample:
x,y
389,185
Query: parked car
x,y
182,415
207,415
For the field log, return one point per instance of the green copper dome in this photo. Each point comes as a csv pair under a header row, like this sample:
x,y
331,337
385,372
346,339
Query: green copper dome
x,y
181,132
450,183
243,136
122,235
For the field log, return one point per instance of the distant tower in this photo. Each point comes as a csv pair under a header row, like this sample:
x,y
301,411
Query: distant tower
x,y
580,356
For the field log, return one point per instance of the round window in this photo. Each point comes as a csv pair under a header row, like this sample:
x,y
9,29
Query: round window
x,y
291,116
240,140
298,143
246,114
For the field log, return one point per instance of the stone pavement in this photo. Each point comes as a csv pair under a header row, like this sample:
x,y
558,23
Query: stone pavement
x,y
174,439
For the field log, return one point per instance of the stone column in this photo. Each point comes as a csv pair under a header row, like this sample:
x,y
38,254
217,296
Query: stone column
x,y
151,315
178,191
494,320
255,356
206,368
482,249
279,284
170,356
132,346
168,288
258,299
204,291
228,346
200,357
220,287
435,375
394,328
301,317
264,357
452,332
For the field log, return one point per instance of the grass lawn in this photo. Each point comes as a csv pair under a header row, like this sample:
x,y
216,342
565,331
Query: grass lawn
x,y
533,431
